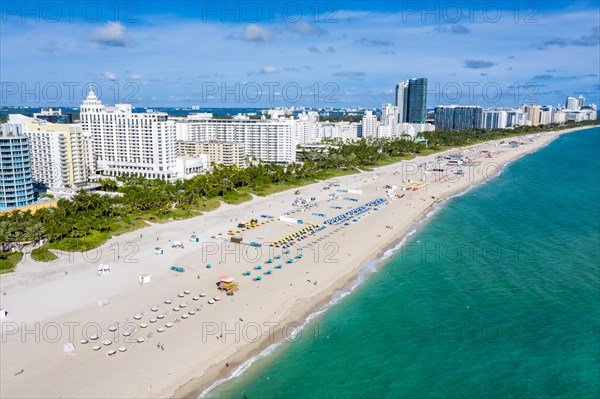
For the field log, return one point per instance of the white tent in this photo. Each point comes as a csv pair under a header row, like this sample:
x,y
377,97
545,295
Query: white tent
x,y
102,302
144,278
3,313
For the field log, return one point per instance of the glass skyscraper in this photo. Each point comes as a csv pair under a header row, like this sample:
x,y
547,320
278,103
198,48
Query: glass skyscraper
x,y
411,100
16,185
456,117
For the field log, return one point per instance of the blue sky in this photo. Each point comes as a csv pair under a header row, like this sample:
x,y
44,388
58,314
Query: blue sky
x,y
282,53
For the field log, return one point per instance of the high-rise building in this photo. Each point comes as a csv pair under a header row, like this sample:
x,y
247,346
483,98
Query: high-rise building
x,y
369,124
580,101
411,100
533,114
127,143
458,117
417,101
572,104
16,185
57,152
402,100
495,119
268,140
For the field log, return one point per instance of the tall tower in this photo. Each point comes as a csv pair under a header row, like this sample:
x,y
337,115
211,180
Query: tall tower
x,y
417,101
402,100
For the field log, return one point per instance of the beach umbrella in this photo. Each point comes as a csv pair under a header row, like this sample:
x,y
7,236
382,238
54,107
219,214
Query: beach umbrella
x,y
169,325
168,301
208,265
96,347
217,298
202,295
176,309
184,316
279,266
153,320
210,301
122,349
182,305
94,337
154,309
107,342
83,341
140,340
160,316
137,317
186,292
160,329
143,325
195,297
180,295
192,312
111,352
126,334
112,328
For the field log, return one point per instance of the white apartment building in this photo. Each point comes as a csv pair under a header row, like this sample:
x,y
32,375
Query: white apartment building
x,y
495,119
264,140
369,124
141,144
57,152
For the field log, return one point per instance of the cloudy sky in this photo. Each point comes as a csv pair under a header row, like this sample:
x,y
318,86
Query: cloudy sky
x,y
267,53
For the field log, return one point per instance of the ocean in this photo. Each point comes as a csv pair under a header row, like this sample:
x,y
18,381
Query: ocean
x,y
494,296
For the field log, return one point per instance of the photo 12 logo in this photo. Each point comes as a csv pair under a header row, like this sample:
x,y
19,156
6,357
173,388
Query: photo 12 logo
x,y
69,11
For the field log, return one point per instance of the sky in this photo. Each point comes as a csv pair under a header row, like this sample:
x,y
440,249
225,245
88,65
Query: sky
x,y
297,53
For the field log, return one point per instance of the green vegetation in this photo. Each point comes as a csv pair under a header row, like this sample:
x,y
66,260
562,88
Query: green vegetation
x,y
42,254
9,260
88,220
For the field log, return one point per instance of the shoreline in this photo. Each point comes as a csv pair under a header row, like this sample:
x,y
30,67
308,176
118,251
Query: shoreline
x,y
204,363
198,387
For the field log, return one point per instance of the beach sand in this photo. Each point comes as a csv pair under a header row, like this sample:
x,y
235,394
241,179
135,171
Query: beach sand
x,y
52,305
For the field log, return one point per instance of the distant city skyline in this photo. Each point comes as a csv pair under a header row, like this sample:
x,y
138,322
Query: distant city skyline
x,y
350,55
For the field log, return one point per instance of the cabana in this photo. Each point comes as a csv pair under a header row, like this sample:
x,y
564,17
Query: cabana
x,y
144,278
159,251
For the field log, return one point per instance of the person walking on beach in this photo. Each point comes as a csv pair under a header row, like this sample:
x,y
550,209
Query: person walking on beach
x,y
162,347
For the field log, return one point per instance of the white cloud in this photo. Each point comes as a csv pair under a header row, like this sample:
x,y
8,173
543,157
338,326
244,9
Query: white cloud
x,y
255,33
109,76
269,69
113,34
305,29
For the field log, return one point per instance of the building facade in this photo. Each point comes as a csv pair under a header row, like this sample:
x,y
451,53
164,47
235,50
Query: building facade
x,y
266,140
218,152
57,152
458,117
127,143
16,184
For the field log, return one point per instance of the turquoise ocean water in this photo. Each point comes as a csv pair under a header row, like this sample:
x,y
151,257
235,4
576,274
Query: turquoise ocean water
x,y
495,296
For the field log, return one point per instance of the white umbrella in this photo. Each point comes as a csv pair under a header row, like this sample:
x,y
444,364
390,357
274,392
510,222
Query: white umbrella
x,y
210,301
122,349
217,298
184,316
160,329
111,352
154,309
176,308
168,301
140,340
143,325
160,316
186,292
107,342
195,298
96,347
180,295
83,341
169,325
192,312
112,328
137,317
126,334
202,294
182,305
153,320
94,337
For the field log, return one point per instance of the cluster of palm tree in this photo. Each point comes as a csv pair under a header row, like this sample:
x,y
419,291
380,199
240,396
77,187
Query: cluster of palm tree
x,y
86,213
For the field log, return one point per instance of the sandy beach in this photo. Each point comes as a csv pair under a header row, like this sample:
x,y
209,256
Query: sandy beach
x,y
169,341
